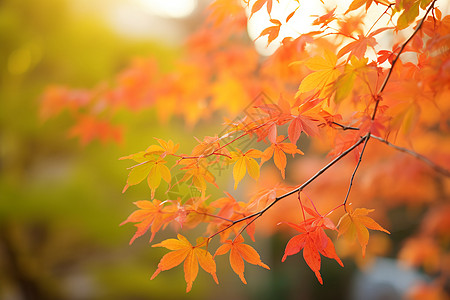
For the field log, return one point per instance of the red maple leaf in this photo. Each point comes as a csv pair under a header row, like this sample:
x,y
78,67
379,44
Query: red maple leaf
x,y
313,241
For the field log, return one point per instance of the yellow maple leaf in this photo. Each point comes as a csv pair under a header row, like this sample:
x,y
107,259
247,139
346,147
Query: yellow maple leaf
x,y
326,72
245,163
154,170
355,223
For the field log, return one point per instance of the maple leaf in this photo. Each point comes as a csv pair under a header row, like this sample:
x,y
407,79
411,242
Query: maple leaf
x,y
150,165
302,122
272,31
225,204
154,170
313,241
259,4
169,147
238,253
325,19
358,3
408,15
265,195
325,73
151,214
206,147
355,224
277,150
89,128
291,14
318,220
144,156
57,98
245,162
359,47
279,114
194,211
198,173
384,55
191,255
345,82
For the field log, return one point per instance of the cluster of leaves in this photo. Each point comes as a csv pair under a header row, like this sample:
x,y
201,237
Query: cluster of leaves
x,y
341,99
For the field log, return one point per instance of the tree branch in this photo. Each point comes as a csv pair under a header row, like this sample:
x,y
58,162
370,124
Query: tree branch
x,y
306,183
363,139
345,127
434,166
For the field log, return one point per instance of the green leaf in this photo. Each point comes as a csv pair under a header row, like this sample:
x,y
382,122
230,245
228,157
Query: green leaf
x,y
408,16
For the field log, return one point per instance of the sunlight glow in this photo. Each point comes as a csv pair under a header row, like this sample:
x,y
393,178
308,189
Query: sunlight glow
x,y
170,8
307,12
302,20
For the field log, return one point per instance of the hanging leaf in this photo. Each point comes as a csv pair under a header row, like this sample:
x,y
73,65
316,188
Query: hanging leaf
x,y
191,255
238,253
355,223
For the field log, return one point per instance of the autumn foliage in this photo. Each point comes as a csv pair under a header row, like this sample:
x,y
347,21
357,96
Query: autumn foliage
x,y
347,95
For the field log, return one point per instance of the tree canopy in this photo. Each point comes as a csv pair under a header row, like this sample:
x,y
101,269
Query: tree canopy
x,y
337,121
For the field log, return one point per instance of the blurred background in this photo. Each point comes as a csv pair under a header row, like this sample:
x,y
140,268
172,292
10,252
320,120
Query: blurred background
x,y
61,202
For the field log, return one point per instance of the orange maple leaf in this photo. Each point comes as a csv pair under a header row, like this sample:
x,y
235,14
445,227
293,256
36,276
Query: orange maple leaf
x,y
358,3
259,4
359,46
277,150
88,128
197,173
238,253
301,124
191,255
272,31
325,19
355,223
151,214
313,241
318,220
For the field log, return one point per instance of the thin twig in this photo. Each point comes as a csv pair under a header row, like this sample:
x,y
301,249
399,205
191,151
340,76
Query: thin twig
x,y
345,127
209,215
378,97
244,228
383,86
306,183
379,18
436,167
354,172
301,204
